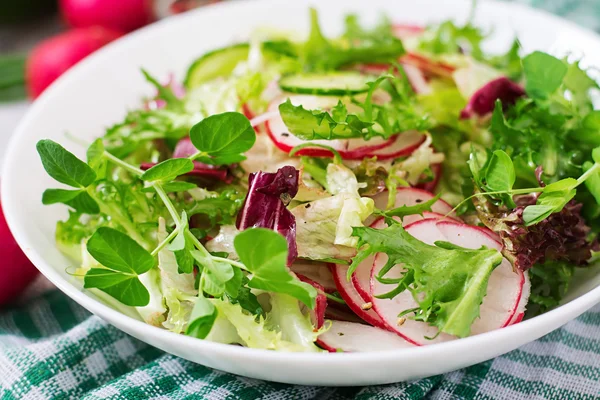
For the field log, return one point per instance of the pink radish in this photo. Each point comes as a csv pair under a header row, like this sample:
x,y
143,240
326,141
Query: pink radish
x,y
52,57
407,196
341,314
353,299
16,270
430,186
504,292
317,316
413,74
525,292
123,15
405,31
315,271
353,337
361,278
428,66
350,149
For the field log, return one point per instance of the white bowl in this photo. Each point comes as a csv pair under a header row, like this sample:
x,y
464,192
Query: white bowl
x,y
98,92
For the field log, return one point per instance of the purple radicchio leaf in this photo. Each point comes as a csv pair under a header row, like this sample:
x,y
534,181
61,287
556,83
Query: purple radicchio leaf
x,y
484,99
265,205
563,236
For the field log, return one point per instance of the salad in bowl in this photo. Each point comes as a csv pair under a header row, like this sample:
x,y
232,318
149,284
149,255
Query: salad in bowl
x,y
393,187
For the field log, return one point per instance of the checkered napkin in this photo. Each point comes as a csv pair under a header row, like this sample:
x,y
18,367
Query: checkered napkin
x,y
50,348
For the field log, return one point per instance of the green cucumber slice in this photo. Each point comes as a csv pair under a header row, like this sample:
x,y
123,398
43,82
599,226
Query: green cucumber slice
x,y
334,83
221,62
214,64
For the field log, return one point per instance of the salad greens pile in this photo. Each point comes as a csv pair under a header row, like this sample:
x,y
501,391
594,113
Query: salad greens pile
x,y
195,212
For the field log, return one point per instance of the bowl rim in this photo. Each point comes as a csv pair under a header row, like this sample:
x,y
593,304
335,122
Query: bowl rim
x,y
573,308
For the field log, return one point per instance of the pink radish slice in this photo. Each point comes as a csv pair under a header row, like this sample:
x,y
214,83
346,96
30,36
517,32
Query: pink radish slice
x,y
498,307
349,149
406,196
361,279
352,298
335,313
402,145
430,186
417,79
429,67
525,292
317,316
317,272
353,337
247,111
405,31
415,76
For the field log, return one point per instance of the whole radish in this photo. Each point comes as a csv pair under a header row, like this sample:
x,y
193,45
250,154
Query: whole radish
x,y
16,271
52,57
122,15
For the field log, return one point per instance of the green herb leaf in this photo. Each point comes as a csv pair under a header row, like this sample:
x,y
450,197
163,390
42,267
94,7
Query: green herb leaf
x,y
448,284
500,175
316,124
223,134
117,251
553,199
543,74
125,288
202,318
173,187
168,170
264,253
63,166
404,211
592,182
53,196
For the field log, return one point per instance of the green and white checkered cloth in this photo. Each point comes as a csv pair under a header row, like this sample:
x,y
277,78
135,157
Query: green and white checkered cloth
x,y
51,348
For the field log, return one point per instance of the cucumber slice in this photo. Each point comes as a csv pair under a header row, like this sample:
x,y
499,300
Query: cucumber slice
x,y
335,83
221,62
216,63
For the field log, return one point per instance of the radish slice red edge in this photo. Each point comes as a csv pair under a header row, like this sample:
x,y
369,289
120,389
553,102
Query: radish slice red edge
x,y
353,299
350,149
353,337
430,186
317,316
317,272
428,66
499,308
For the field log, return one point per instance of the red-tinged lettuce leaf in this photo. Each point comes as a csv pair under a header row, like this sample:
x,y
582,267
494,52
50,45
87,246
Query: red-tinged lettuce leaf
x,y
562,237
484,99
265,205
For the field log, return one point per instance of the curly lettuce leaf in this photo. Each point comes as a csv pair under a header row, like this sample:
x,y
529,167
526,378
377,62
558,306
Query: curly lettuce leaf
x,y
448,282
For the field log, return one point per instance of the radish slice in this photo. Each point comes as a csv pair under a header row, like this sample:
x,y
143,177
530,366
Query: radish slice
x,y
353,337
525,292
415,76
344,313
350,149
361,278
417,79
317,272
317,316
406,196
402,145
353,299
428,66
430,186
405,31
499,306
